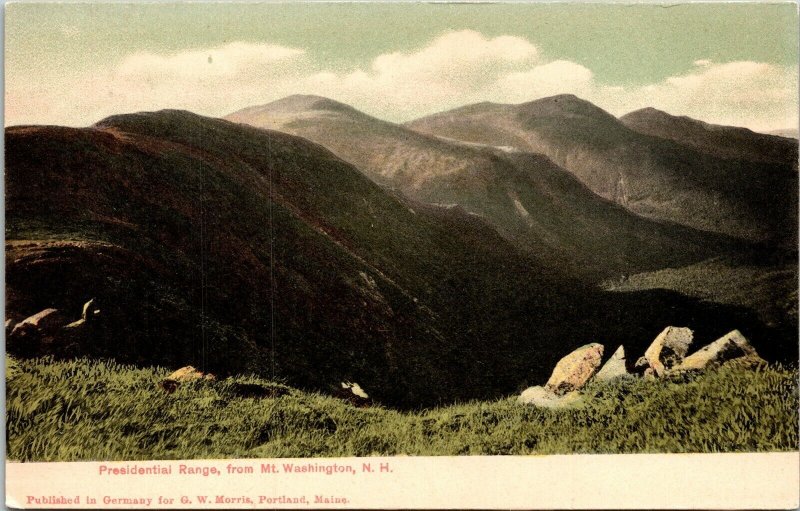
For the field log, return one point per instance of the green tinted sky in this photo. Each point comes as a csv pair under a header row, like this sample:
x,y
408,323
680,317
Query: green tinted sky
x,y
627,45
621,43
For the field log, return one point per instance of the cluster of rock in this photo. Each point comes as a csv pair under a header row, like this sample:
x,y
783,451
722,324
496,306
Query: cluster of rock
x,y
666,355
34,334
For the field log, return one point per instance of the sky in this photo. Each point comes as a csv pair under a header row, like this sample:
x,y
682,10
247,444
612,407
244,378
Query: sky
x,y
74,64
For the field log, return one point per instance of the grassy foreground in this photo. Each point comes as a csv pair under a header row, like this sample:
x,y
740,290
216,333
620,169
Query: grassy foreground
x,y
89,410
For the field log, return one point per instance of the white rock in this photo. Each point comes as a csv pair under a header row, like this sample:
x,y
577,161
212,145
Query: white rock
x,y
541,397
614,367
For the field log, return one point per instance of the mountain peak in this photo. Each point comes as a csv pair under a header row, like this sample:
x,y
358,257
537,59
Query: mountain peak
x,y
168,114
563,104
650,114
300,103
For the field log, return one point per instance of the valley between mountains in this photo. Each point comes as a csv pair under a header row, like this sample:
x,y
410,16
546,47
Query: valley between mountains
x,y
456,257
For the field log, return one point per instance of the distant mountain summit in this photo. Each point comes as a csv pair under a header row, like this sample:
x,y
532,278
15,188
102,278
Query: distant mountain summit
x,y
541,207
297,103
717,179
562,105
721,141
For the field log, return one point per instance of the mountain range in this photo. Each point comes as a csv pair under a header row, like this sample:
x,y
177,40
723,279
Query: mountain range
x,y
538,205
722,180
426,269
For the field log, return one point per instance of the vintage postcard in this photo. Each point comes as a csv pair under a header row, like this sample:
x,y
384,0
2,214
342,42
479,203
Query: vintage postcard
x,y
401,255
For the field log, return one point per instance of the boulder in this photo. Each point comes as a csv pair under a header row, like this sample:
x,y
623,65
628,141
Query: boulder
x,y
668,349
573,371
88,313
356,389
44,323
732,346
353,393
614,367
187,373
89,310
543,398
35,334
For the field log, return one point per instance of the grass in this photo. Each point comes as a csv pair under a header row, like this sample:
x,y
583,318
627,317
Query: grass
x,y
99,410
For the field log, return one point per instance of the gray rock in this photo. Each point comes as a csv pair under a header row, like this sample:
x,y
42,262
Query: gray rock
x,y
668,349
573,371
732,346
614,367
543,398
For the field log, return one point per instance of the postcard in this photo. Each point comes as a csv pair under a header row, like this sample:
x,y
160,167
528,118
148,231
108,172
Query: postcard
x,y
401,255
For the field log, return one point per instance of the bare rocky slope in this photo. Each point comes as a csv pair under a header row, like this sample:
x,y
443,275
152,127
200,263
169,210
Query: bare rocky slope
x,y
237,249
720,180
529,199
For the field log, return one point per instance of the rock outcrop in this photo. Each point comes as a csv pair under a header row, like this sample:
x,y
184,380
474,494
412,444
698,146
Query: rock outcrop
x,y
614,367
668,349
665,355
29,335
45,322
731,347
573,371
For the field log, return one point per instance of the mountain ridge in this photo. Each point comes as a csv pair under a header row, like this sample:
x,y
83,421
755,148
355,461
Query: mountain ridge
x,y
654,177
525,196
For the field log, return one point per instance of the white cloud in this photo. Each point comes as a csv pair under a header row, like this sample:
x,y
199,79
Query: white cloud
x,y
456,68
229,60
558,77
757,95
209,81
